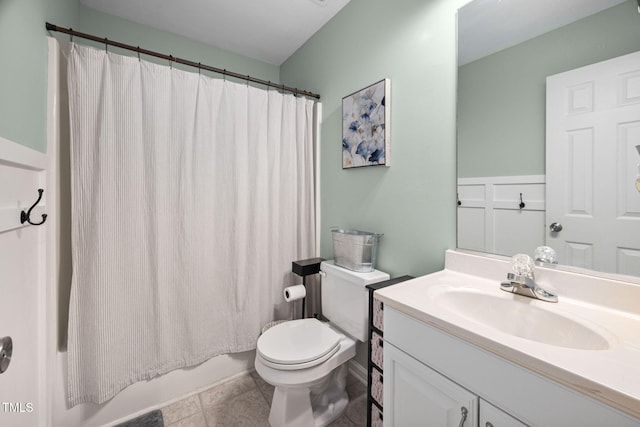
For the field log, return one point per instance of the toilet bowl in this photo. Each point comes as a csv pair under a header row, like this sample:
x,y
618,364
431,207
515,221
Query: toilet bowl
x,y
309,383
305,359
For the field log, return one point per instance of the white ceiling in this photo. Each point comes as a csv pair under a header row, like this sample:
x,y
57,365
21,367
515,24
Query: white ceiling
x,y
267,30
488,26
272,30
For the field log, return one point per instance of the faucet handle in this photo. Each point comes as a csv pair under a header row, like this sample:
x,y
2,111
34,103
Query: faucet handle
x,y
522,265
546,254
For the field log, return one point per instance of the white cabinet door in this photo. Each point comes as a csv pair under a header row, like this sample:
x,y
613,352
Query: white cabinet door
x,y
490,416
416,395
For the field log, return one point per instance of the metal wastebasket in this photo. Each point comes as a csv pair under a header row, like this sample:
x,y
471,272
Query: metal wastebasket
x,y
355,250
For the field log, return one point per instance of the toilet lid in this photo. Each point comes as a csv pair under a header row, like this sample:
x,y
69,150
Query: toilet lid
x,y
298,342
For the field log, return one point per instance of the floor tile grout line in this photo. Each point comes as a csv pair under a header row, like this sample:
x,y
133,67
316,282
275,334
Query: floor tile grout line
x,y
253,385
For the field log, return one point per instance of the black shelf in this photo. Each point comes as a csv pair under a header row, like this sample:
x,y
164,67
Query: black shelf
x,y
371,402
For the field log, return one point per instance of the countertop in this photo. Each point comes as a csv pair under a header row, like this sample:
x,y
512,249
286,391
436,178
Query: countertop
x,y
608,306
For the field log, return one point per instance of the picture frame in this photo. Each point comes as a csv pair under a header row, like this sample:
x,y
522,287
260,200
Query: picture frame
x,y
366,132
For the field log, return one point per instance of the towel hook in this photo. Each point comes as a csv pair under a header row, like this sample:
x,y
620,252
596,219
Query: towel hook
x,y
26,216
458,197
522,205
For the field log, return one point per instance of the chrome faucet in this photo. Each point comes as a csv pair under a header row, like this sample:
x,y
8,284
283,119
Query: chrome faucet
x,y
522,280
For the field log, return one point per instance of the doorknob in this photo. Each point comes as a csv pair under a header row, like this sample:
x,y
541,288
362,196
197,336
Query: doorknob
x,y
556,227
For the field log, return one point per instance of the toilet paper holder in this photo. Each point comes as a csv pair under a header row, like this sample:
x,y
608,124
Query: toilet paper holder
x,y
304,268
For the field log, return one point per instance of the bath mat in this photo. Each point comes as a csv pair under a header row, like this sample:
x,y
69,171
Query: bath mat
x,y
151,419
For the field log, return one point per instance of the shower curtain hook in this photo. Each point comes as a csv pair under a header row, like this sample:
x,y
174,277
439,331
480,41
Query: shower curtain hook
x,y
171,62
106,44
70,35
248,77
199,68
224,75
138,53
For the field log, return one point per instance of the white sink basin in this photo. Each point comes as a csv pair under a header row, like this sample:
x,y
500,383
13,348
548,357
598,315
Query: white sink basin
x,y
588,341
522,317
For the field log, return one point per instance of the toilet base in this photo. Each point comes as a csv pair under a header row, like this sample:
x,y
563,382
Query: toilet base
x,y
293,408
315,406
330,413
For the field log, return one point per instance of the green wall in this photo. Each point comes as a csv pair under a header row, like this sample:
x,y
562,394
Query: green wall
x,y
501,109
413,43
23,74
23,49
412,202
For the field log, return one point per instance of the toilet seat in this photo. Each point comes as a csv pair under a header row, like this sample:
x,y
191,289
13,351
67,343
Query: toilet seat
x,y
298,344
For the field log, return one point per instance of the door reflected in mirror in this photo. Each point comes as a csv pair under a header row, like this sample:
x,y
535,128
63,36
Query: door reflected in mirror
x,y
519,169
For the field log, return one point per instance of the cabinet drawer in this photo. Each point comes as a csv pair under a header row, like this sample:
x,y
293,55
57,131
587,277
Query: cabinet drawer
x,y
376,344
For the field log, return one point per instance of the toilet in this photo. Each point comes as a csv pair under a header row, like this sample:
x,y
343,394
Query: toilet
x,y
305,360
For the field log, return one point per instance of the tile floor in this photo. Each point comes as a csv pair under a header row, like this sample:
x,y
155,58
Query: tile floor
x,y
245,401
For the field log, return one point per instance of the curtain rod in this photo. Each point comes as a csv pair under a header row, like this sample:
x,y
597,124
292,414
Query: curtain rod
x,y
170,58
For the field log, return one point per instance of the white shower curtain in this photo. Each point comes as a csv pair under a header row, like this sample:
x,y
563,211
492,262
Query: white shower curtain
x,y
190,197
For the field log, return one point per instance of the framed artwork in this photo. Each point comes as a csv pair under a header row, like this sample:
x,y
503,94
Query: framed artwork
x,y
365,126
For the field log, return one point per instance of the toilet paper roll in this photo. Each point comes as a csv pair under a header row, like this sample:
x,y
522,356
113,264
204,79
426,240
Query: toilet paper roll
x,y
293,293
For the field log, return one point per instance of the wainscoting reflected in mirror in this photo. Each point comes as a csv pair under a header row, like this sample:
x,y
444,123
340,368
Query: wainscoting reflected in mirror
x,y
548,120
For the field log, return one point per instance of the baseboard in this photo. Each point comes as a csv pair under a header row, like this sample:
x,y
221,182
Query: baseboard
x,y
358,371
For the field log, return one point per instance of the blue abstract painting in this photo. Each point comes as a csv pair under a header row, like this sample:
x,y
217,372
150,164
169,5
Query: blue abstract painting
x,y
365,126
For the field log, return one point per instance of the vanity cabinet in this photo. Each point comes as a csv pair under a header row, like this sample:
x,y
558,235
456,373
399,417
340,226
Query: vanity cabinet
x,y
417,395
430,375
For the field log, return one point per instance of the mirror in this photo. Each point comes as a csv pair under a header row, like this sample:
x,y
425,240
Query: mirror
x,y
506,51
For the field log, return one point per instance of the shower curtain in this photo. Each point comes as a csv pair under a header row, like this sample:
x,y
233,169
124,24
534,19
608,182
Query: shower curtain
x,y
190,198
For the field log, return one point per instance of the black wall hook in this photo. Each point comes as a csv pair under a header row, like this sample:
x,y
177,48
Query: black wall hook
x,y
522,205
26,216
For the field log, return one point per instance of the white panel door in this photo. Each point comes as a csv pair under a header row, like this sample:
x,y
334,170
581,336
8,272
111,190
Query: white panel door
x,y
23,385
416,395
593,126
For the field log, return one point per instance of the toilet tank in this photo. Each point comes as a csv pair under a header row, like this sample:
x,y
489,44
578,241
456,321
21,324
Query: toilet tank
x,y
345,298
